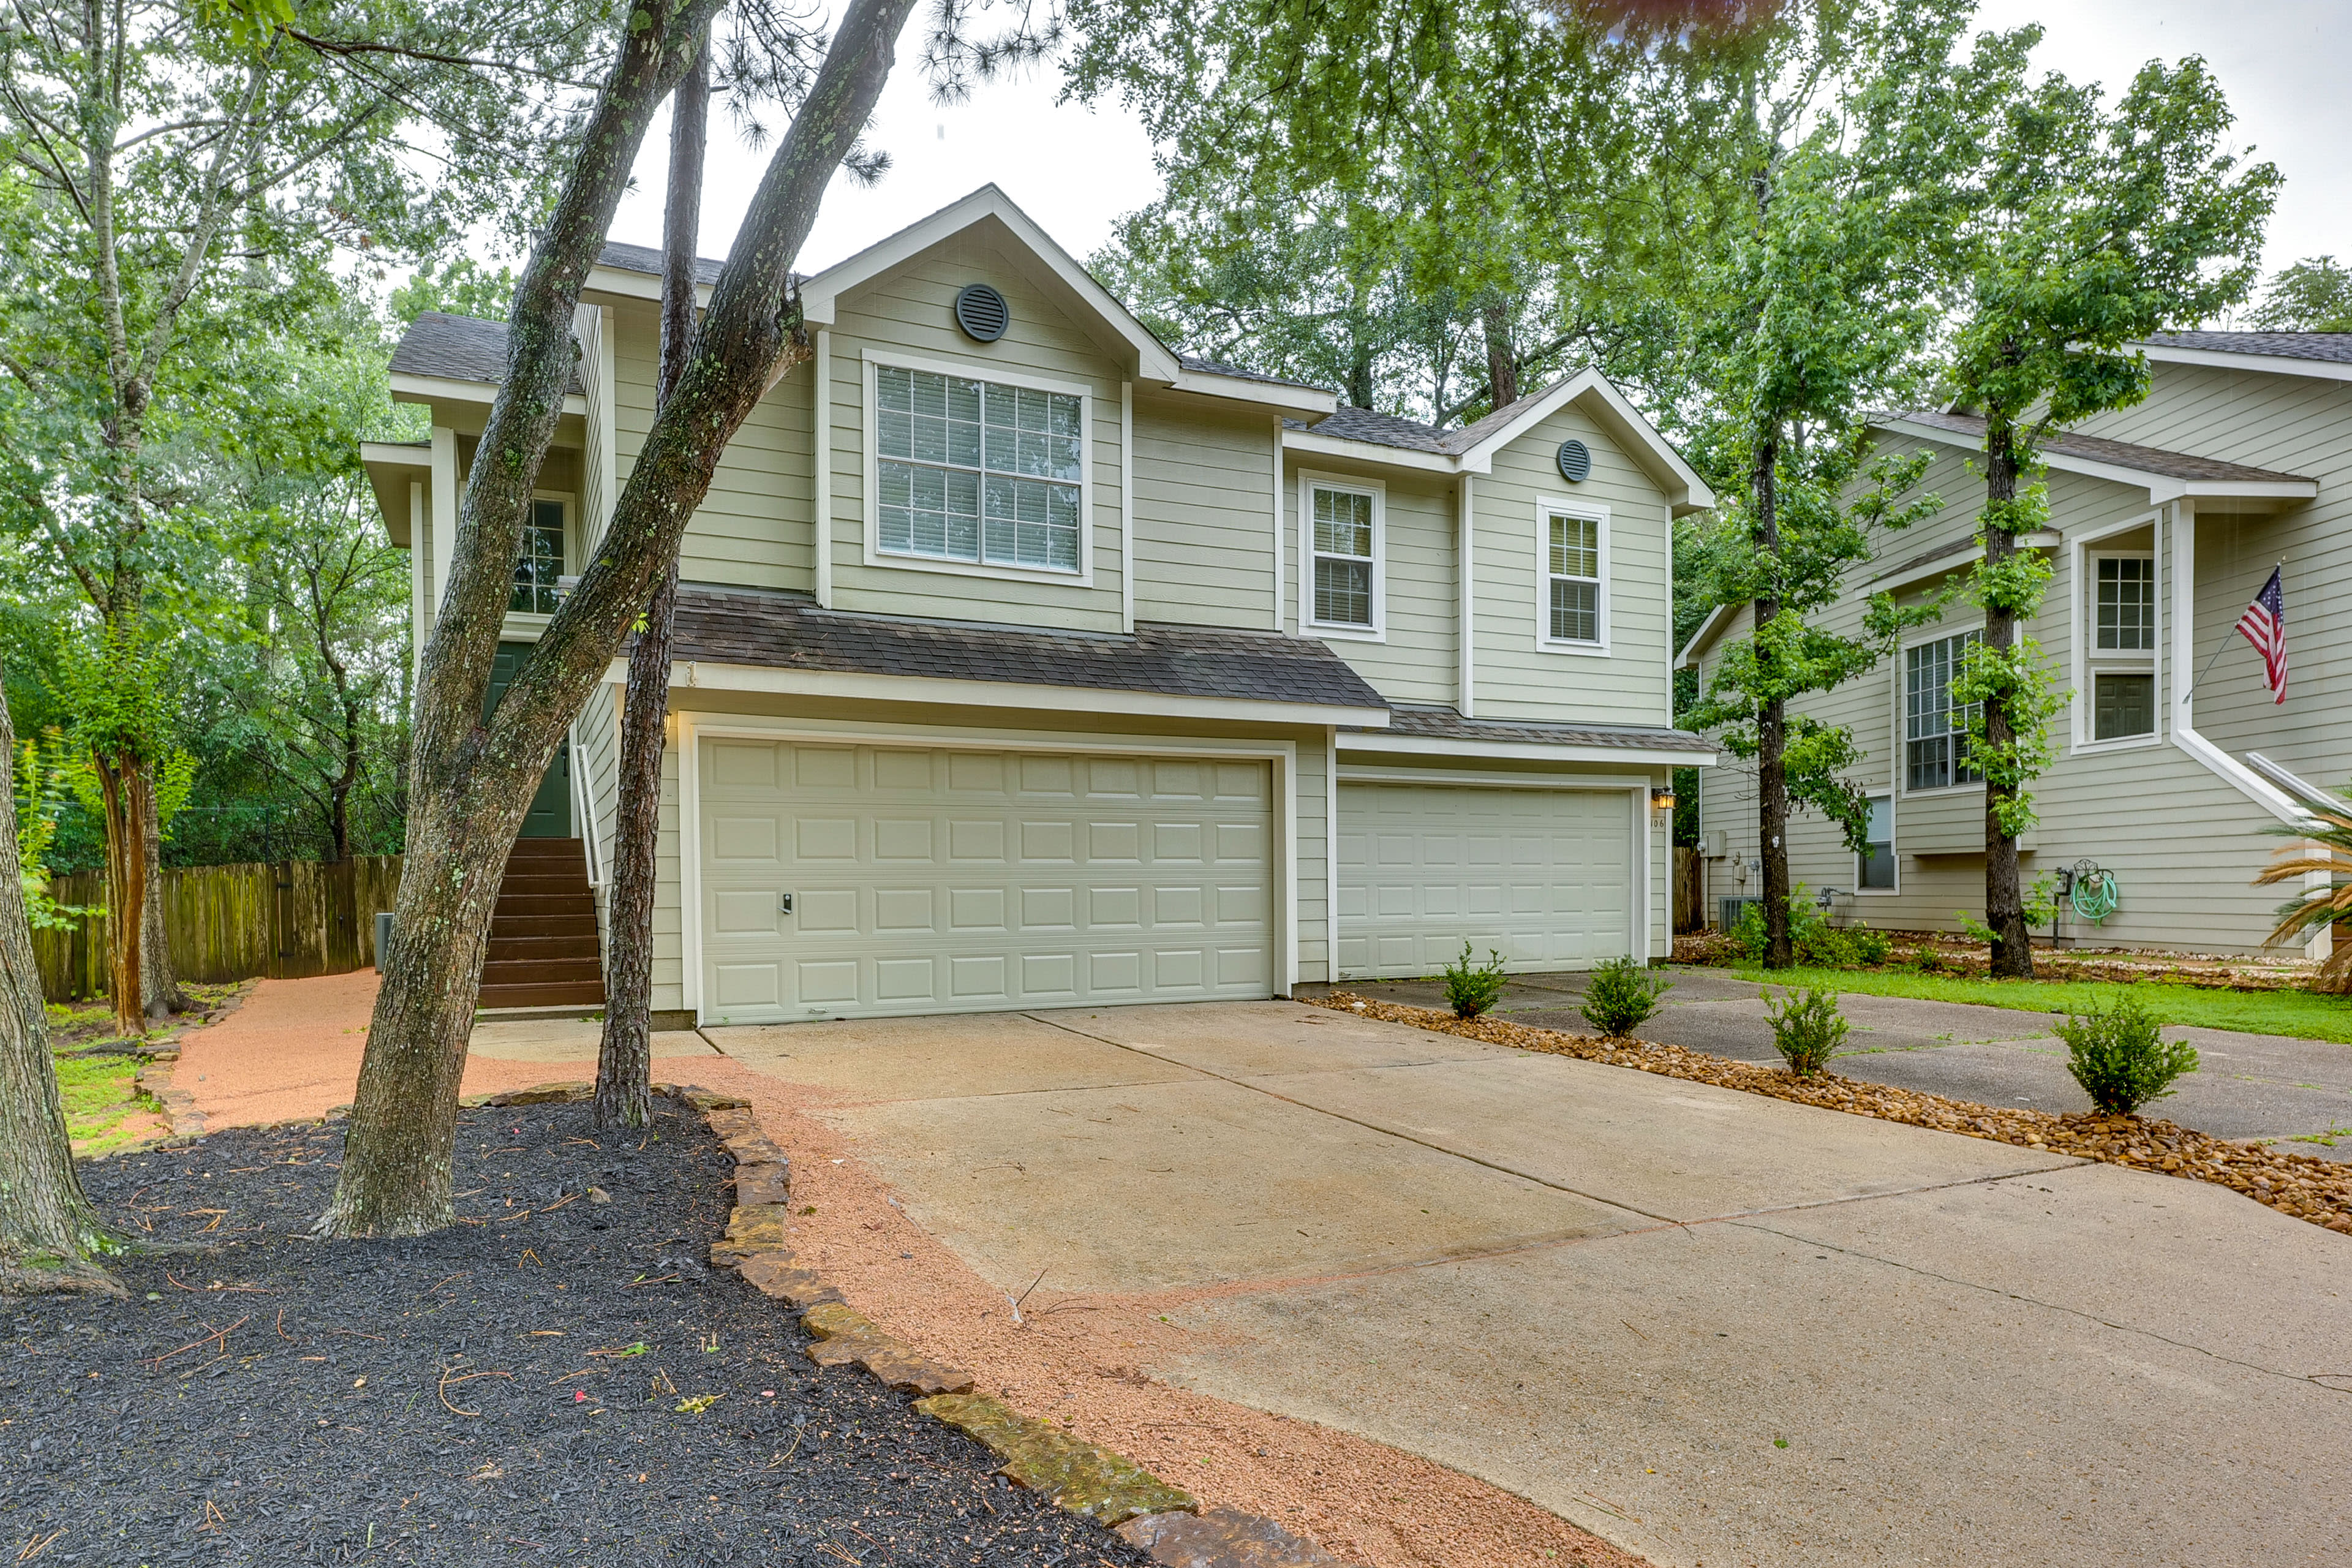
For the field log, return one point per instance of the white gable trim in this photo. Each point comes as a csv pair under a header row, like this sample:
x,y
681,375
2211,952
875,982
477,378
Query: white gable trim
x,y
1700,639
1686,492
2266,364
2161,488
821,295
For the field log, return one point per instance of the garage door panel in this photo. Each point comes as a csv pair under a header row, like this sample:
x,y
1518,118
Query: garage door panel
x,y
942,880
1543,875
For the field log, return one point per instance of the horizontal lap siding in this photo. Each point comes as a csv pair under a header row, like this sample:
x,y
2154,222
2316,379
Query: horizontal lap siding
x,y
1312,907
751,528
1203,514
669,967
1513,679
1417,660
910,309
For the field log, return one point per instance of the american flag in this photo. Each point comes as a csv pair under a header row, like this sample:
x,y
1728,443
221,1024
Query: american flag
x,y
2264,626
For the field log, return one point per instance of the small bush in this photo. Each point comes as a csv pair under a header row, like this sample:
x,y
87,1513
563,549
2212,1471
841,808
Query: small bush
x,y
1814,943
1807,1028
1622,994
2118,1054
1472,988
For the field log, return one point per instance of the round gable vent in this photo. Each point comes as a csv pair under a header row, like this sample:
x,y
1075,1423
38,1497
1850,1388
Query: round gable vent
x,y
1575,462
981,312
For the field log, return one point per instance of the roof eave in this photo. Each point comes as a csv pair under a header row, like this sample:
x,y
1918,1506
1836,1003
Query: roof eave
x,y
1371,452
1283,397
1392,744
629,284
391,467
1704,636
2267,364
449,389
1686,492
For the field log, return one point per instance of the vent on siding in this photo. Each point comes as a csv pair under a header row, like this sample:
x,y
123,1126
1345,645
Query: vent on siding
x,y
1575,462
981,312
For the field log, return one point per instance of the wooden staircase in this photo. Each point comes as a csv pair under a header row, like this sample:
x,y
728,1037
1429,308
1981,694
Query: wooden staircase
x,y
543,949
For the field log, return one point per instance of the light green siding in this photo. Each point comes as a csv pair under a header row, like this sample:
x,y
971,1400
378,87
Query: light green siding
x,y
1203,513
1416,658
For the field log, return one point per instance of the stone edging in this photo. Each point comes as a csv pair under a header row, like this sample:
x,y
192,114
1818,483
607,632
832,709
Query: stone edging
x,y
2304,1187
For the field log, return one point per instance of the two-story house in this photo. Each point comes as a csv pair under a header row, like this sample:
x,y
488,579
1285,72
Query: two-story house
x,y
2172,759
1022,661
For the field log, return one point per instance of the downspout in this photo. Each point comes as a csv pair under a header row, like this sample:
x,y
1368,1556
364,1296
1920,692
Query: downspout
x,y
1465,620
2248,783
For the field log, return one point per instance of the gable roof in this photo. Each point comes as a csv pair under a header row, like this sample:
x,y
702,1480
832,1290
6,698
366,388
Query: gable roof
x,y
439,346
2325,355
2165,475
1471,448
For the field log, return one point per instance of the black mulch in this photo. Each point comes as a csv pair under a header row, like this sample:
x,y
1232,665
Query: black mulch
x,y
558,1379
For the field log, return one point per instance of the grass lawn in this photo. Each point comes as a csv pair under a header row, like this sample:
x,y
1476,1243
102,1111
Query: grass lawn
x,y
2297,1012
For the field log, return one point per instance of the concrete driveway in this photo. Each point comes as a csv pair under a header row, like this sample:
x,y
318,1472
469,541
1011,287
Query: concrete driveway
x,y
2246,1086
1716,1328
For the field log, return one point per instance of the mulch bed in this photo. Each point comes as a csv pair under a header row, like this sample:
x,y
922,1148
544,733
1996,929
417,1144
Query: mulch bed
x,y
561,1377
1935,952
2303,1185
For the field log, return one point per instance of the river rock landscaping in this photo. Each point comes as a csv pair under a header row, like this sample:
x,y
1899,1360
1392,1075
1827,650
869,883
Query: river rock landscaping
x,y
2303,1185
559,1377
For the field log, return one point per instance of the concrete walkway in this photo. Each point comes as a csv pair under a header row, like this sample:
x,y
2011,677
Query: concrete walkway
x,y
1716,1328
2246,1086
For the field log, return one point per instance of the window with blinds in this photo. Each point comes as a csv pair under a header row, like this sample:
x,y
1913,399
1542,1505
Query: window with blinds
x,y
1574,560
1346,537
978,471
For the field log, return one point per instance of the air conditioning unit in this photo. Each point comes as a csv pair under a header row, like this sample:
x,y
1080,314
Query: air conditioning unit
x,y
1733,908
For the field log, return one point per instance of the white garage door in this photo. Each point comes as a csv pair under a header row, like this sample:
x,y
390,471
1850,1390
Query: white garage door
x,y
929,880
1543,875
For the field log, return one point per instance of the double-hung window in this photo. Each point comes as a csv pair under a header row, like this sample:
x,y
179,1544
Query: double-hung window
x,y
1935,728
1875,873
978,471
1344,539
2123,647
1575,547
539,562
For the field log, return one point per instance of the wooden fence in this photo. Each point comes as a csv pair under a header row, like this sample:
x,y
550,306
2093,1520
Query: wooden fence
x,y
1690,890
233,923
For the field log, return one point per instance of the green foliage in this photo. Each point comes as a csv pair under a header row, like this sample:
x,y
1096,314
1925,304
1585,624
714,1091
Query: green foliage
x,y
1473,989
462,288
2039,902
2118,1053
1807,1027
40,776
1813,941
2319,862
1621,994
2314,295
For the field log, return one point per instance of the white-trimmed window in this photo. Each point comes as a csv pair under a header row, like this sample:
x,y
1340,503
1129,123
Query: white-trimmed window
x,y
1575,545
981,472
1343,537
540,560
1874,871
1935,728
2122,652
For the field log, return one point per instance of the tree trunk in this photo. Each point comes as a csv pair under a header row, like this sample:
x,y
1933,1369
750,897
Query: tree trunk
x,y
120,801
160,995
2012,945
48,1229
1502,361
471,780
1772,718
624,1052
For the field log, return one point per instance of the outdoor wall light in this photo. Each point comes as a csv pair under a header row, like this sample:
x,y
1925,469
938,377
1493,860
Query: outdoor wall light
x,y
1663,799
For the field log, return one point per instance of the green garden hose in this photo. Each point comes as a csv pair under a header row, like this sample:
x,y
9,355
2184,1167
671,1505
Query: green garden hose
x,y
2094,896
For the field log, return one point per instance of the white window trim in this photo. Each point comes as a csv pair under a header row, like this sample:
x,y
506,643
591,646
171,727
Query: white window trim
x,y
525,626
1309,481
978,370
2082,552
1903,715
1546,508
1893,853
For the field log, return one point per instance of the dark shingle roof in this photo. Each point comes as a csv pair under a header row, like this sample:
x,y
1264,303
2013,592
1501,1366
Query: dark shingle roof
x,y
787,631
2098,449
2335,348
645,259
1390,430
1218,367
1445,724
457,348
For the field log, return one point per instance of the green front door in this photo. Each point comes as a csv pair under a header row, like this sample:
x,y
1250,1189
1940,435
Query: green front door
x,y
551,808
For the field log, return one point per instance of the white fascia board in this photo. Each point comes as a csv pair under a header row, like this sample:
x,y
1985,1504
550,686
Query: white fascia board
x,y
1298,402
1945,565
1700,638
436,388
1371,452
2267,364
700,676
397,454
1686,492
2161,488
821,295
628,285
1522,751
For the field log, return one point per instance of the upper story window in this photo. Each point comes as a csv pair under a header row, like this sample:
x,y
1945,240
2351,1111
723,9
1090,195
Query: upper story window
x,y
978,471
539,562
2122,676
1343,538
1576,562
1934,730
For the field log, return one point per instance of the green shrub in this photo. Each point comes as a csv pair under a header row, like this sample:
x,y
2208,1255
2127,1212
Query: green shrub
x,y
2118,1054
1807,1028
1472,988
1815,944
1622,994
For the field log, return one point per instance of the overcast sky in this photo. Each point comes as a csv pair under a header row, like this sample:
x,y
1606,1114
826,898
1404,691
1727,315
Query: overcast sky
x,y
1074,171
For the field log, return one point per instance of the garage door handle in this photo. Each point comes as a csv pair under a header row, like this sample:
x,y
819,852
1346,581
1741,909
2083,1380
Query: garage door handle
x,y
785,903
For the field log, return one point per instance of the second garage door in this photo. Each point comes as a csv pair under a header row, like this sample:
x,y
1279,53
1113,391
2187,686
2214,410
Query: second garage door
x,y
940,879
1543,876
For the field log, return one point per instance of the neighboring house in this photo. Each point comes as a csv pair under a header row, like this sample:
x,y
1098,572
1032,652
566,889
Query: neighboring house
x,y
2164,521
1103,674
